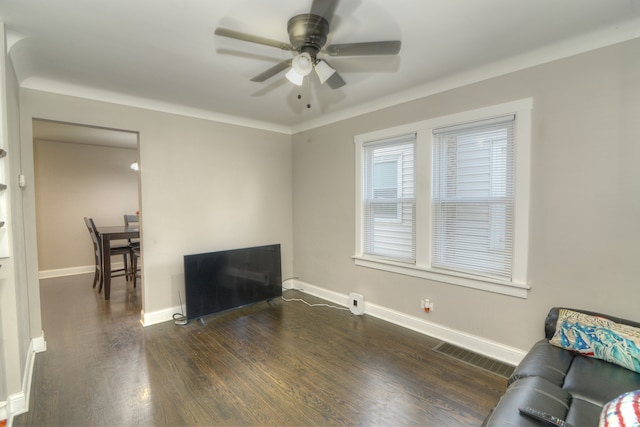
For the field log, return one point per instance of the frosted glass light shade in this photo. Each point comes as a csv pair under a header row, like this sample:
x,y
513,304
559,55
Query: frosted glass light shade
x,y
302,64
294,77
324,71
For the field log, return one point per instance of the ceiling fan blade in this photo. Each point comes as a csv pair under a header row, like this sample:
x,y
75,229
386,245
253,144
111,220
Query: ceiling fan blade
x,y
391,47
324,8
225,32
281,66
335,81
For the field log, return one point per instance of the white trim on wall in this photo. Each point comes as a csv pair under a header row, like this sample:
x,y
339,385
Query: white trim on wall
x,y
61,272
18,403
72,271
492,349
600,38
70,89
159,316
597,39
517,285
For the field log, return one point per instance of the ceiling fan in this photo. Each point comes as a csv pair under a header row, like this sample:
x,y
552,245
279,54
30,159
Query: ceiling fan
x,y
307,37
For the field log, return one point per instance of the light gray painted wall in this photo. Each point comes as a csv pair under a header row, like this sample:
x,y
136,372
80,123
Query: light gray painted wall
x,y
204,185
585,199
74,181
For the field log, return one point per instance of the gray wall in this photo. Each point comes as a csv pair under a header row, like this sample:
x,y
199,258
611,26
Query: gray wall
x,y
73,181
204,185
585,199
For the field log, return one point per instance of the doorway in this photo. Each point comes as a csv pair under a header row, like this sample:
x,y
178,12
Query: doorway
x,y
80,171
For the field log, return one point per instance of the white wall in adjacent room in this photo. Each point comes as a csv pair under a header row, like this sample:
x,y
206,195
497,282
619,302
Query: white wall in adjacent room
x,y
74,181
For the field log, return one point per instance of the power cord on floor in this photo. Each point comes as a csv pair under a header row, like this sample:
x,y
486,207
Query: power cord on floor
x,y
179,318
307,303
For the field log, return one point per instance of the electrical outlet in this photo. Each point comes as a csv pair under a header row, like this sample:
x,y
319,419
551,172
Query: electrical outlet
x,y
356,303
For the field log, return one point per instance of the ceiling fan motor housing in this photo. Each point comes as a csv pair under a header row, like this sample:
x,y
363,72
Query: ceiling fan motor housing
x,y
308,33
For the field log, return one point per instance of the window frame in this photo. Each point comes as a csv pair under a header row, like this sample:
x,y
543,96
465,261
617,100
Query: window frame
x,y
403,143
518,286
460,203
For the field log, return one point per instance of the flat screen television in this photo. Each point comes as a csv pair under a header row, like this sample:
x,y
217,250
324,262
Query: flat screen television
x,y
220,281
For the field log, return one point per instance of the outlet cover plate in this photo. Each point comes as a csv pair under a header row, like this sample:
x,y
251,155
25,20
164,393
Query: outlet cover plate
x,y
356,303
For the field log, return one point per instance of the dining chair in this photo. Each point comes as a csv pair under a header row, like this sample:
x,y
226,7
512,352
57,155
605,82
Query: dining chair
x,y
96,251
133,221
135,263
125,251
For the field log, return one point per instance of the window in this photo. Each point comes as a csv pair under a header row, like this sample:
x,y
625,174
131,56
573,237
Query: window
x,y
472,198
439,199
388,199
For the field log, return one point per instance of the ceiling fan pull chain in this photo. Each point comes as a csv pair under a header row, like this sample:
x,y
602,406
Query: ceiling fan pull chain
x,y
306,90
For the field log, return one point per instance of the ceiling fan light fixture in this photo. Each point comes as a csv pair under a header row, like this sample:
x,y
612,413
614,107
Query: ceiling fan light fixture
x,y
302,64
324,71
294,77
308,34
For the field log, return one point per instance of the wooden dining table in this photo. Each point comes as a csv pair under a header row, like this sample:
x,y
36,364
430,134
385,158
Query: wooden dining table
x,y
107,234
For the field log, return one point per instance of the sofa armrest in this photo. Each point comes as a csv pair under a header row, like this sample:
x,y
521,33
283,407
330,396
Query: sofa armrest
x,y
546,361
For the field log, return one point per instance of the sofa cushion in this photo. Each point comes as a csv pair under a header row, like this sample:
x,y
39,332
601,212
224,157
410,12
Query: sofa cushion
x,y
583,413
534,392
598,337
546,361
598,381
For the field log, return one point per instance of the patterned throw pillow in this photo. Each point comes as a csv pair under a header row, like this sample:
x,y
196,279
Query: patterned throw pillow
x,y
598,337
623,411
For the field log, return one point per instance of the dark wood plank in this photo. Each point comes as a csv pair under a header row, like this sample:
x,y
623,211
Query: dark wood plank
x,y
268,364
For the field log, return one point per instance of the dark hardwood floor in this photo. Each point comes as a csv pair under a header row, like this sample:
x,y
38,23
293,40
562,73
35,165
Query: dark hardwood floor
x,y
268,364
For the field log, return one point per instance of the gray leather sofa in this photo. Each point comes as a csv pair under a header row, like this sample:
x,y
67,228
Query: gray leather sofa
x,y
562,383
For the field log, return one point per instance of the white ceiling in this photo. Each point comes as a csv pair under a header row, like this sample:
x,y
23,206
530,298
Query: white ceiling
x,y
163,54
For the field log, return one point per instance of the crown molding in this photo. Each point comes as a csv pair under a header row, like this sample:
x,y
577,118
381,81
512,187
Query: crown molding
x,y
570,47
584,43
61,88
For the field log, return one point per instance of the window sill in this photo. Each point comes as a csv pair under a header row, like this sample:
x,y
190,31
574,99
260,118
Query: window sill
x,y
519,290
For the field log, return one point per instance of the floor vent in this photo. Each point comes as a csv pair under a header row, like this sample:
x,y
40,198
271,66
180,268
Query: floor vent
x,y
475,359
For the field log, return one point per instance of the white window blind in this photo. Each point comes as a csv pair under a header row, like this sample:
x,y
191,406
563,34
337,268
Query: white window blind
x,y
388,206
473,198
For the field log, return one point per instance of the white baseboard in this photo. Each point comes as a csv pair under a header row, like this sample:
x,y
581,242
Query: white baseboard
x,y
164,315
61,272
492,349
72,271
18,403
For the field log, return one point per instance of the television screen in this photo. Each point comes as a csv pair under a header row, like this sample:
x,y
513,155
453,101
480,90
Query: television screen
x,y
219,281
